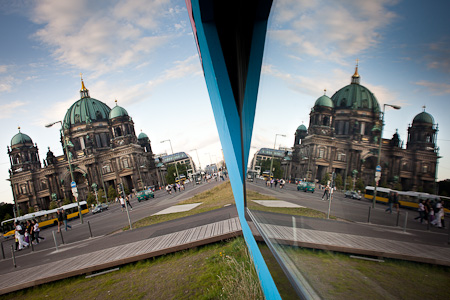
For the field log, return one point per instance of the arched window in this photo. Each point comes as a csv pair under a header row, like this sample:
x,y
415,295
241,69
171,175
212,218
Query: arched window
x,y
118,131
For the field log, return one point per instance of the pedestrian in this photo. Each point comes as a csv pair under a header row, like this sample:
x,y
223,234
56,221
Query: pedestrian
x,y
325,193
421,211
168,189
29,235
37,230
64,214
60,219
276,182
439,212
16,235
21,229
122,202
396,202
174,187
428,209
390,202
271,182
127,200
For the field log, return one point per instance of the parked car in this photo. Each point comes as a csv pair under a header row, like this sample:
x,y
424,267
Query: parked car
x,y
99,208
144,195
352,195
306,187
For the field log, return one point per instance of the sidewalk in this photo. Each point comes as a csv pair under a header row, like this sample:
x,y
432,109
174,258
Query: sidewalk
x,y
105,252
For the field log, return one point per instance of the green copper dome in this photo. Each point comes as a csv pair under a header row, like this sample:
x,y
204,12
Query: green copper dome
x,y
142,136
355,96
324,101
424,117
20,138
302,128
86,110
117,111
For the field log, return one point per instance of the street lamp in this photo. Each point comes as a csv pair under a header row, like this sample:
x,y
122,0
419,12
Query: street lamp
x,y
273,154
176,169
68,162
379,148
198,158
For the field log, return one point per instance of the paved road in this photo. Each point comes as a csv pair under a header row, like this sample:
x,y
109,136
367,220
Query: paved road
x,y
111,220
357,212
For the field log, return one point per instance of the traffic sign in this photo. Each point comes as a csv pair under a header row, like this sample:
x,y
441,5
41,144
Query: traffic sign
x,y
73,184
377,176
378,168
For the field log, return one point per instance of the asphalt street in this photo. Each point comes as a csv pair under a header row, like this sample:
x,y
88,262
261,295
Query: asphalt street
x,y
354,212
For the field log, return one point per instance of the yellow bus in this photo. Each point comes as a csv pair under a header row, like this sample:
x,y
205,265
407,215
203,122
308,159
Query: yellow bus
x,y
45,218
409,199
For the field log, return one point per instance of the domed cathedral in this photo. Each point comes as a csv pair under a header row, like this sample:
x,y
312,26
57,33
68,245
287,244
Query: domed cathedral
x,y
343,137
102,149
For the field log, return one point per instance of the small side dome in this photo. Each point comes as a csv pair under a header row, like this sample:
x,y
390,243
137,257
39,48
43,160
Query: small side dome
x,y
20,138
324,101
302,128
142,136
424,118
117,111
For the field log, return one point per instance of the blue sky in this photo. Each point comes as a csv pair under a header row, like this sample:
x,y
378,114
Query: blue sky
x,y
142,53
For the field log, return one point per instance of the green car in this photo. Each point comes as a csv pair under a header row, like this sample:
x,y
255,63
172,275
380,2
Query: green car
x,y
144,195
306,187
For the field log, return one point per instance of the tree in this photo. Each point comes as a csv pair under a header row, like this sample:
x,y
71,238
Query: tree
x,y
101,195
182,170
6,209
277,172
30,209
360,186
90,199
338,182
112,193
53,205
325,179
66,201
349,183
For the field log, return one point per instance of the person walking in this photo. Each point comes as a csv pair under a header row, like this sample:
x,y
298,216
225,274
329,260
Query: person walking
x,y
390,202
36,231
326,192
122,202
127,200
64,214
20,228
60,218
421,211
29,235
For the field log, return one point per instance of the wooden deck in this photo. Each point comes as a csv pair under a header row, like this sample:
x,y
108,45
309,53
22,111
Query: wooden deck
x,y
115,256
357,244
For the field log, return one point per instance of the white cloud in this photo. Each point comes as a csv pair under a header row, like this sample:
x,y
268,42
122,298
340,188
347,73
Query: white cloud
x,y
439,55
329,29
3,68
100,35
6,83
435,88
9,109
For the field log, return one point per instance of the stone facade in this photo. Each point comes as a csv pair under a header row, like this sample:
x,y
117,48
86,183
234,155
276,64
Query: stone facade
x,y
102,147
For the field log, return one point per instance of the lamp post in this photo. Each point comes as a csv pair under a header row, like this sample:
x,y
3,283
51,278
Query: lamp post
x,y
379,147
68,162
104,187
273,154
198,158
176,169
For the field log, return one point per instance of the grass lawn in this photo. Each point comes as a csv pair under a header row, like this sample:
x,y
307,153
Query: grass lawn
x,y
217,271
220,196
337,276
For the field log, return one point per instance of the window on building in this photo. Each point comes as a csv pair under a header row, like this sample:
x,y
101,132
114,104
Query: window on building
x,y
106,169
321,153
362,128
98,142
425,169
125,163
44,185
341,156
23,189
104,139
346,127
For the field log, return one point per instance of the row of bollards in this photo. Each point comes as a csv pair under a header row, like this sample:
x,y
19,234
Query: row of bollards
x,y
398,218
32,246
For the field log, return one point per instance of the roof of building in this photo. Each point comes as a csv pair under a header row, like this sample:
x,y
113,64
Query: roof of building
x,y
20,138
142,136
302,128
86,110
324,101
117,111
355,96
424,117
